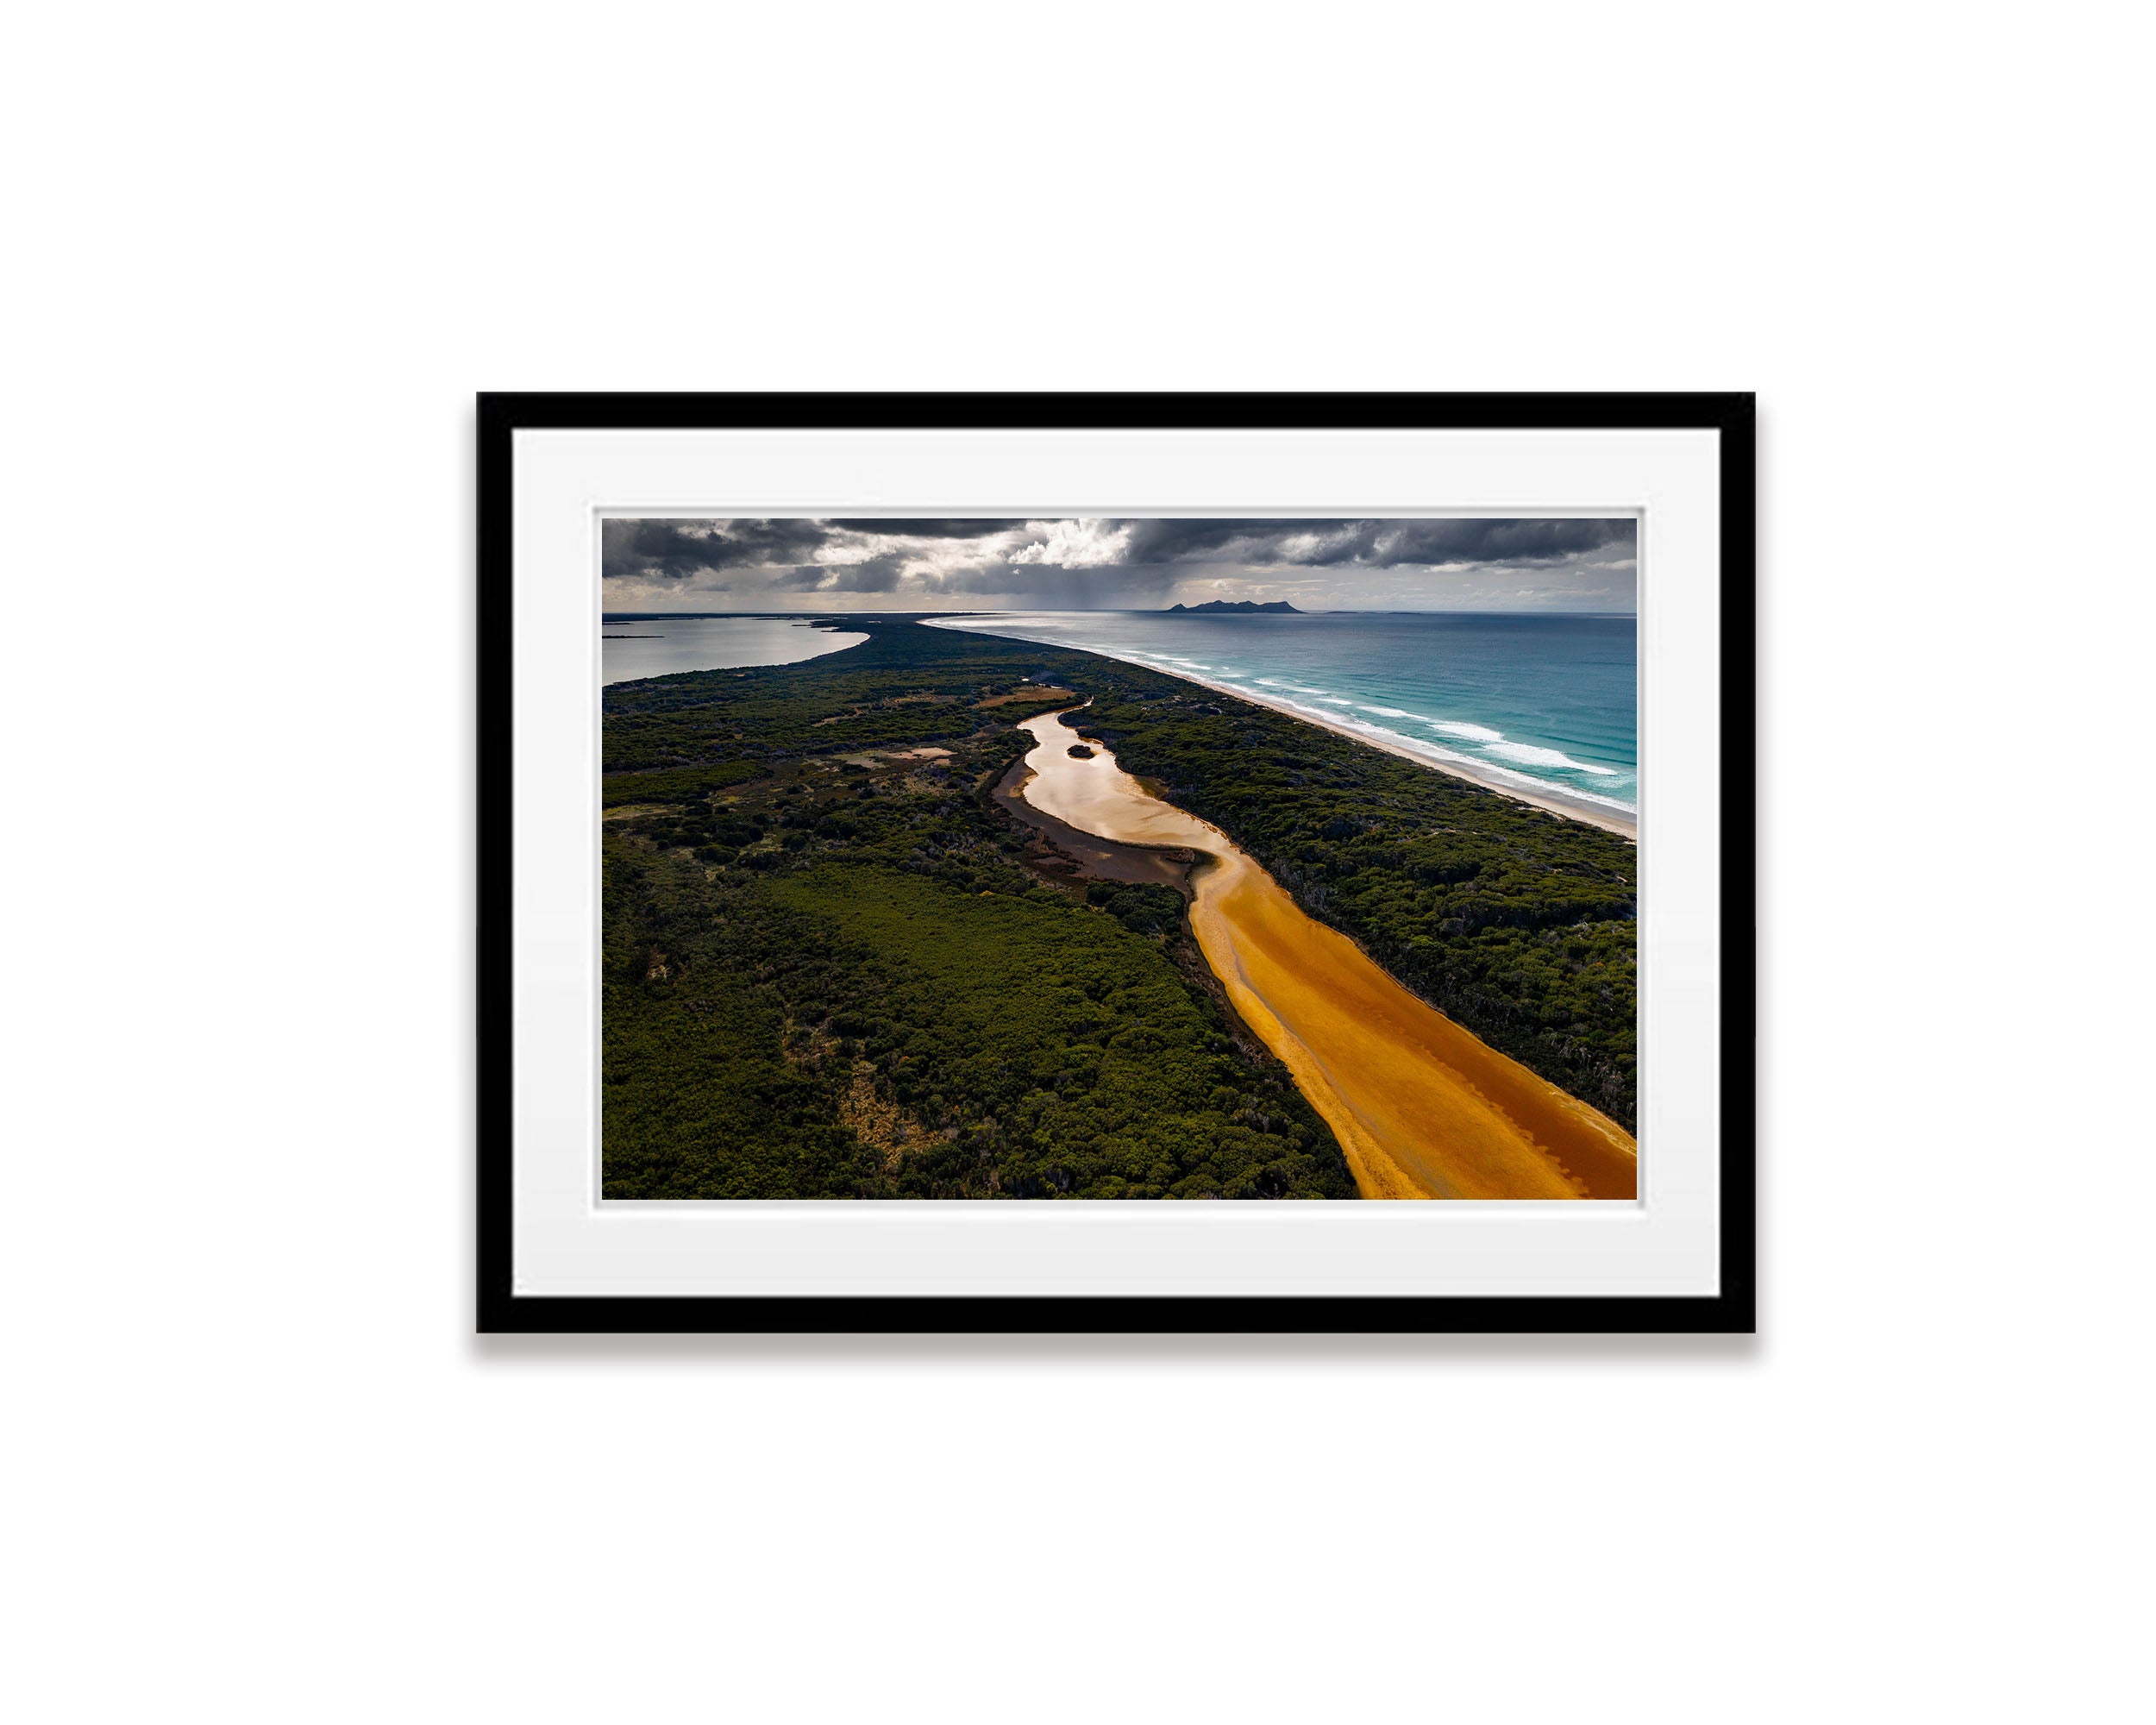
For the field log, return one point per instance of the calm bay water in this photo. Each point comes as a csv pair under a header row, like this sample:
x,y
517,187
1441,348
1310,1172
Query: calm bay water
x,y
1541,699
658,646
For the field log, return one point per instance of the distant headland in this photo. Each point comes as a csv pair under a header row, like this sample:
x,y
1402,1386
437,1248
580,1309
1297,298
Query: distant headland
x,y
1240,604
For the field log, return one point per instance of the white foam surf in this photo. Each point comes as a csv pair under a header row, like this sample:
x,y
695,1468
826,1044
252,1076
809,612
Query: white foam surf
x,y
1531,755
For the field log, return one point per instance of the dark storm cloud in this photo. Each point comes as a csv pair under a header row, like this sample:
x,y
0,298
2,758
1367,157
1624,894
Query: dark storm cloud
x,y
877,575
1383,543
900,527
1097,562
1174,541
1102,587
676,551
1497,542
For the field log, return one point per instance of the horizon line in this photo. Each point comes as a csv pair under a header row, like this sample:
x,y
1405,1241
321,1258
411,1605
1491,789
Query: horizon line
x,y
1128,611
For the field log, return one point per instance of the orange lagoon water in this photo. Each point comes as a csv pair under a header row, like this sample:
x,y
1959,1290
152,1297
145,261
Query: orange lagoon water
x,y
1422,1108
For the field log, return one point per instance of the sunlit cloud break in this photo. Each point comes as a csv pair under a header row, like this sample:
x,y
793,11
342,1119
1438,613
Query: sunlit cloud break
x,y
1087,563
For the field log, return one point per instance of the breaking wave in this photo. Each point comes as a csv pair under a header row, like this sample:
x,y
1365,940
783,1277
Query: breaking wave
x,y
1529,754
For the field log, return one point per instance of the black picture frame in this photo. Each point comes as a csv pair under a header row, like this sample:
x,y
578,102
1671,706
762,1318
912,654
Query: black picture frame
x,y
1732,1309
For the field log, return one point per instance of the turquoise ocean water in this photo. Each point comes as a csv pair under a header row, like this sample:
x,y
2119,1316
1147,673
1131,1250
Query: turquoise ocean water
x,y
1539,700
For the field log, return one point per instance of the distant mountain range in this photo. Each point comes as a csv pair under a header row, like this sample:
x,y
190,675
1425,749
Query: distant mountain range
x,y
1218,605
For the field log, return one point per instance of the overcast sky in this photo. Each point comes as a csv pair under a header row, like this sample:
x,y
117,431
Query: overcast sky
x,y
1118,564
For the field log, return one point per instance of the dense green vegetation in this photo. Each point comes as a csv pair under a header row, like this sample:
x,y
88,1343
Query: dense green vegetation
x,y
830,971
680,785
838,979
1517,924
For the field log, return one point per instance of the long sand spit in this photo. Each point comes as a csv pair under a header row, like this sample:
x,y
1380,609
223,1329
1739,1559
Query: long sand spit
x,y
1422,1108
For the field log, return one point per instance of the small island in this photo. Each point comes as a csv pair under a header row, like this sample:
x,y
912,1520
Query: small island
x,y
1078,752
1276,606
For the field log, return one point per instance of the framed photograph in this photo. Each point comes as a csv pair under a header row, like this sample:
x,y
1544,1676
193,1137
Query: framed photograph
x,y
1116,862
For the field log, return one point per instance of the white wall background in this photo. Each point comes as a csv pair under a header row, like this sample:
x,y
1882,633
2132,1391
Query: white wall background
x,y
257,1468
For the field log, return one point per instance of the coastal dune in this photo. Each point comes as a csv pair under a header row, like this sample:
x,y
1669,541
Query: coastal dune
x,y
1421,1108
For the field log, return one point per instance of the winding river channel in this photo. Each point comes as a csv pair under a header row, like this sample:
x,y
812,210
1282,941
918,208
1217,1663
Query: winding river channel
x,y
1422,1108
